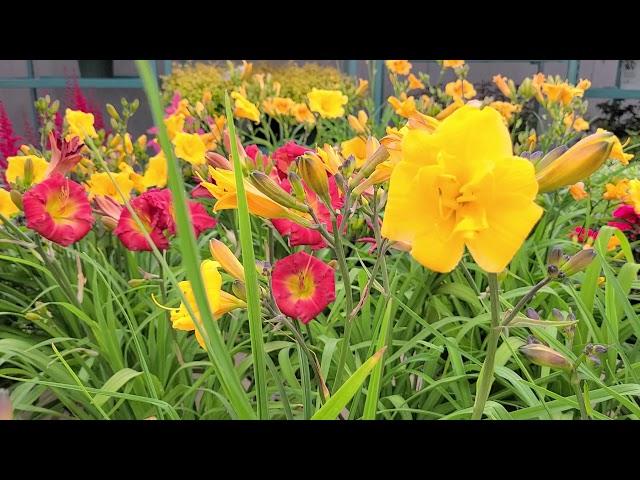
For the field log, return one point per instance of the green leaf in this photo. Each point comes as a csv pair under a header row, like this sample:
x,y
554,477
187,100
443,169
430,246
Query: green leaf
x,y
345,393
115,383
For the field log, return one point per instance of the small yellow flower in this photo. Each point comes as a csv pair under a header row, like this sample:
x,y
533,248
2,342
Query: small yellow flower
x,y
210,140
156,173
452,63
506,109
174,124
7,208
537,81
425,102
561,92
80,123
247,68
613,243
399,67
16,168
102,184
142,141
459,89
532,140
359,123
302,114
136,178
206,96
618,191
330,158
190,147
617,152
579,124
269,107
584,84
578,192
327,103
362,87
244,108
633,196
414,82
405,107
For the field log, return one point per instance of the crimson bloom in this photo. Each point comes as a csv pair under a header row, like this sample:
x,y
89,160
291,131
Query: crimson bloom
x,y
299,235
286,155
155,210
627,220
58,209
303,286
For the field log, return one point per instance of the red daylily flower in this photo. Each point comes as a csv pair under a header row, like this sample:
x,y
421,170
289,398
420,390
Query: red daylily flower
x,y
58,209
64,155
303,286
287,154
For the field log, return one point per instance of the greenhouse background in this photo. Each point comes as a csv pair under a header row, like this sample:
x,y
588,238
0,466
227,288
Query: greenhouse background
x,y
23,81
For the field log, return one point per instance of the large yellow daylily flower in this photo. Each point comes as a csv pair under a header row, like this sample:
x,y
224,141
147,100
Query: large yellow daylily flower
x,y
462,186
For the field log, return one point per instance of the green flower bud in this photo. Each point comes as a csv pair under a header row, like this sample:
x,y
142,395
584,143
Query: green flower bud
x,y
545,356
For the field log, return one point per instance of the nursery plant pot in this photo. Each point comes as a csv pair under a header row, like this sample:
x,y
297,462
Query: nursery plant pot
x,y
96,68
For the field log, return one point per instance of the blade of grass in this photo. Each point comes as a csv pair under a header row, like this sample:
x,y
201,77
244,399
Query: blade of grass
x,y
251,276
216,347
345,393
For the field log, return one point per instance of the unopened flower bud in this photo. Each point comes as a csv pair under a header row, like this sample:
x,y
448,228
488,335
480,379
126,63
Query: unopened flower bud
x,y
218,161
545,356
55,106
109,223
531,313
313,173
32,317
16,198
28,170
134,105
557,314
555,255
296,186
113,113
239,289
136,282
227,260
271,189
578,262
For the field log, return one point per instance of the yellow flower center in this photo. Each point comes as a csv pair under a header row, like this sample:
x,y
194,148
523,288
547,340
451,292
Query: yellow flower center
x,y
60,208
461,201
301,285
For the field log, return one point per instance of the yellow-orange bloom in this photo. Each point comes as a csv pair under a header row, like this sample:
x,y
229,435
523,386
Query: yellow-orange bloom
x,y
360,148
362,87
399,67
117,186
578,192
359,123
506,109
452,63
459,89
228,261
414,82
80,123
190,147
613,243
617,151
618,191
537,81
405,107
156,173
302,114
584,84
282,106
174,124
633,195
462,186
561,92
244,108
327,103
503,86
579,124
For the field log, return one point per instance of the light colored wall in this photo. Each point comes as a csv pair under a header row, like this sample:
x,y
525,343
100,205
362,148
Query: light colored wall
x,y
17,102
